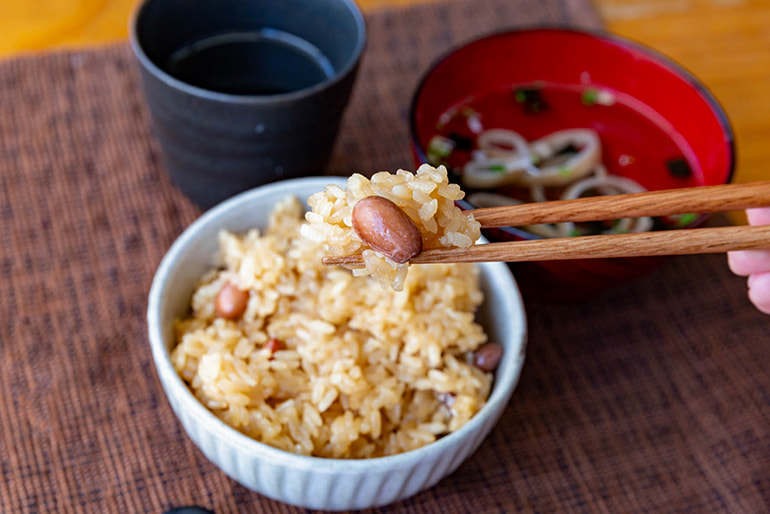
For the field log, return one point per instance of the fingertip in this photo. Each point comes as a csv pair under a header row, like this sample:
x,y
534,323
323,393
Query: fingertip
x,y
747,262
737,263
759,291
758,216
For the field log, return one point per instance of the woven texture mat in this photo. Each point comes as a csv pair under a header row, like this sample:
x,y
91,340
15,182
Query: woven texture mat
x,y
651,397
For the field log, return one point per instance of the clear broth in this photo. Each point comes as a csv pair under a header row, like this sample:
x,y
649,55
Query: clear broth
x,y
261,62
636,141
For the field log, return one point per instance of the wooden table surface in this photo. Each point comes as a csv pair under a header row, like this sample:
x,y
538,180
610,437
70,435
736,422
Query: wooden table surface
x,y
726,43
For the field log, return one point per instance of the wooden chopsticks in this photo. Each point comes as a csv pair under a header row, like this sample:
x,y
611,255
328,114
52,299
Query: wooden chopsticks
x,y
703,199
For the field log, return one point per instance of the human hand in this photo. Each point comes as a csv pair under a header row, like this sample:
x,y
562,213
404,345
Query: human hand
x,y
755,264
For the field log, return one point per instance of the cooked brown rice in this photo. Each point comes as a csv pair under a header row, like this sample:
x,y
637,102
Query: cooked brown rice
x,y
364,371
426,196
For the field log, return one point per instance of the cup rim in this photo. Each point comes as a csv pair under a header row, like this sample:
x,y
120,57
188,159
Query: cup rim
x,y
175,388
603,35
200,92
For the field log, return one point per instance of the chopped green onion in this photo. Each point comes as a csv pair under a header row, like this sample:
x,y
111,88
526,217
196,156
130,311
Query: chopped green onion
x,y
497,167
590,96
686,219
678,220
441,146
439,149
531,99
564,171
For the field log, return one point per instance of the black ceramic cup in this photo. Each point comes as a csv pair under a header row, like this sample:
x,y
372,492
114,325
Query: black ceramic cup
x,y
245,92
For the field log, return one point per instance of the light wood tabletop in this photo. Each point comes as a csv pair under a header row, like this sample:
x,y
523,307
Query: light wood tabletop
x,y
725,43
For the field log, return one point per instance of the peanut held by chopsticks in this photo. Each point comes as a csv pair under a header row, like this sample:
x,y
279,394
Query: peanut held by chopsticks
x,y
420,211
386,228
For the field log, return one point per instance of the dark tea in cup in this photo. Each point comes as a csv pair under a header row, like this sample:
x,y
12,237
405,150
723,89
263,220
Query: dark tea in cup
x,y
260,62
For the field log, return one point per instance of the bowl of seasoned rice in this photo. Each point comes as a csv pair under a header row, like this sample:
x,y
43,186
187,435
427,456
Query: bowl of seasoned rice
x,y
552,113
323,387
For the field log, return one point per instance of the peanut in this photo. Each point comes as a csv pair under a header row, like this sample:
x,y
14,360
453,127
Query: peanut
x,y
386,228
231,301
487,356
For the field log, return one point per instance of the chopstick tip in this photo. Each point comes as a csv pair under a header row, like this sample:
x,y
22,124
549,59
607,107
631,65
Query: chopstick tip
x,y
353,261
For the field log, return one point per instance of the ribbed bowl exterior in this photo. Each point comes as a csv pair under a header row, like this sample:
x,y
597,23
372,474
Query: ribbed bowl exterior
x,y
318,487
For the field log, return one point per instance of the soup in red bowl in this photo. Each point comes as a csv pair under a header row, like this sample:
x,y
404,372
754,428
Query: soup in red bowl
x,y
551,113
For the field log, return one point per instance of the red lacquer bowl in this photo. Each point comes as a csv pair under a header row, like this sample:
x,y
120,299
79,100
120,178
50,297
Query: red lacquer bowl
x,y
660,114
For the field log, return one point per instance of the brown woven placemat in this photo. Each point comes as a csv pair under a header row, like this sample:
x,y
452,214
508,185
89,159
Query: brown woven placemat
x,y
652,397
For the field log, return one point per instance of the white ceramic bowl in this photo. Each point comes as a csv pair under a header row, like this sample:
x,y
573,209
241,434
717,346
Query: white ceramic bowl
x,y
312,482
